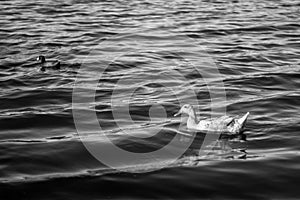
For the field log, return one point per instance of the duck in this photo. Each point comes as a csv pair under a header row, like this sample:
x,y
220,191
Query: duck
x,y
225,124
48,64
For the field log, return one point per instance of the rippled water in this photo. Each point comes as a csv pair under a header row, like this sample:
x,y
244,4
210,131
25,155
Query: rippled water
x,y
254,44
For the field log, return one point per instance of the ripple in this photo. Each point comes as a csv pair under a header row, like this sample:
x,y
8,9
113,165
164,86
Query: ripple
x,y
254,44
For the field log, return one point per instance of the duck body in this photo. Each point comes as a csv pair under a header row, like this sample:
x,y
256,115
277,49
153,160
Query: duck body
x,y
48,64
226,124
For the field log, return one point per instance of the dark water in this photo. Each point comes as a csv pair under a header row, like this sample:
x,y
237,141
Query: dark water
x,y
255,45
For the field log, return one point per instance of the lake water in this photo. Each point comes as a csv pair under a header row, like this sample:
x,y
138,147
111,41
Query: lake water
x,y
152,56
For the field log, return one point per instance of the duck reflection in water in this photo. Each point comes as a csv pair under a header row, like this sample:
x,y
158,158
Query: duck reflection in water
x,y
226,147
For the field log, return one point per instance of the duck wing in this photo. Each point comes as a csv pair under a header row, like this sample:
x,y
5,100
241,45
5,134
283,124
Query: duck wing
x,y
226,120
218,124
51,64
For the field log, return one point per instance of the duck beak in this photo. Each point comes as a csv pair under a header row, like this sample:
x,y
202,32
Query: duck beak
x,y
177,114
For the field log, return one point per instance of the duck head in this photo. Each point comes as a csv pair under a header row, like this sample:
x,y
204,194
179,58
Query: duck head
x,y
42,59
185,109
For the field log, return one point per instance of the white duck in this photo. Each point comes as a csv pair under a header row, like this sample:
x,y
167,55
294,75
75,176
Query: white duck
x,y
225,124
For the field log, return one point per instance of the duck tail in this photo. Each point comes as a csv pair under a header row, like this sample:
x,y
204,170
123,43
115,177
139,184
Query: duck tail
x,y
243,119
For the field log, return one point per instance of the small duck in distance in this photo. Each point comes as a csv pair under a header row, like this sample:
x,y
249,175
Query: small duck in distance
x,y
224,124
48,64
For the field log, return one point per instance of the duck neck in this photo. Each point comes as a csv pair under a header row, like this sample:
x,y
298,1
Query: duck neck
x,y
42,59
192,120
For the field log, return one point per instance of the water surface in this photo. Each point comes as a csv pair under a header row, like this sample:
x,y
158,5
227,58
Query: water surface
x,y
255,45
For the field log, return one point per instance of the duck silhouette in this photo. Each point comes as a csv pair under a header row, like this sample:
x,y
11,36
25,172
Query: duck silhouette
x,y
48,64
226,124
